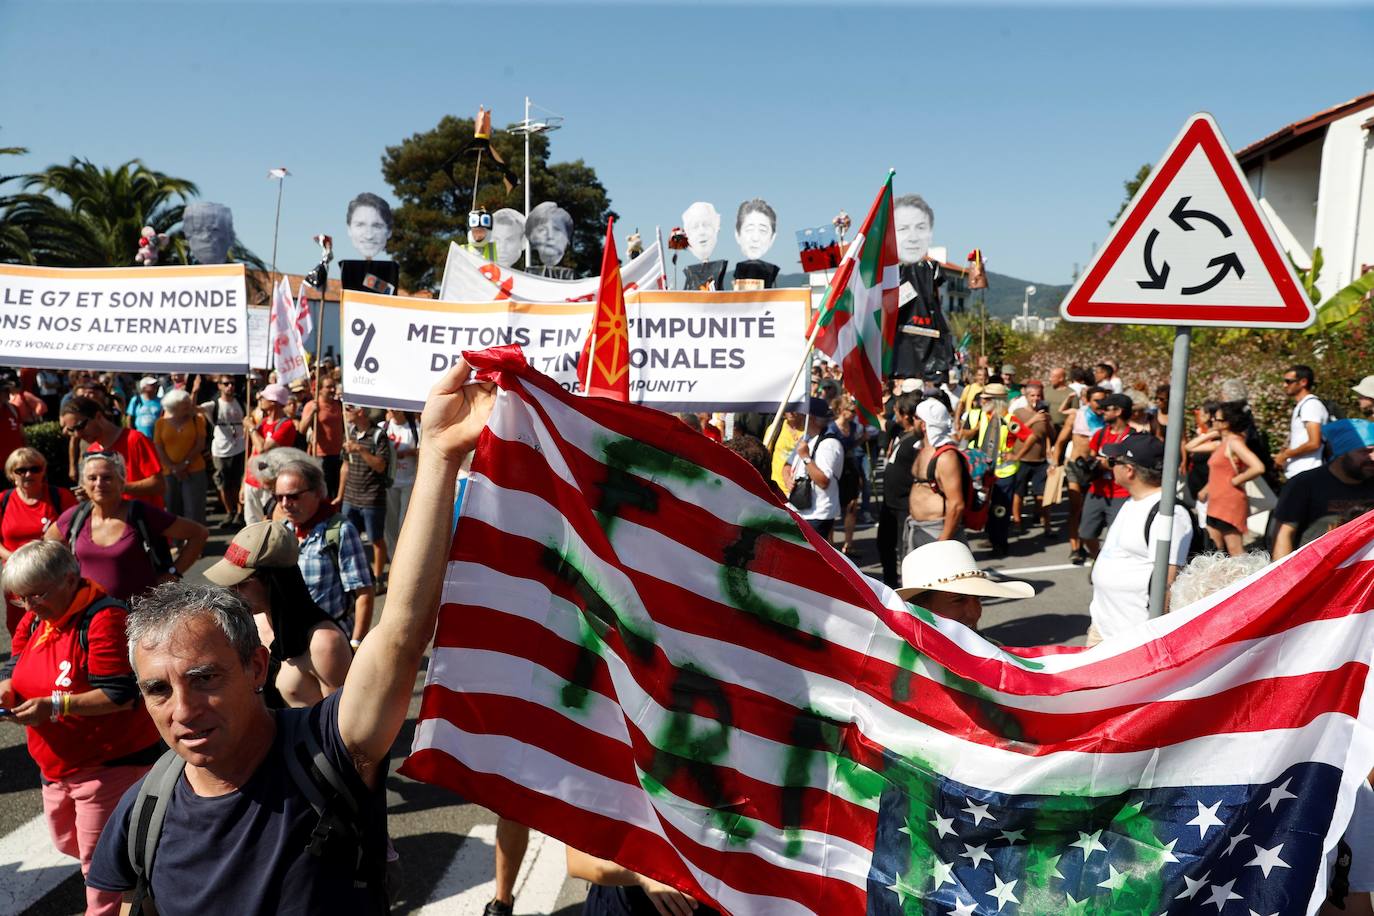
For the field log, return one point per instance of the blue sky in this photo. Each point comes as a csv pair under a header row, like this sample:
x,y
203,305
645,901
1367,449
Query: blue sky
x,y
1018,123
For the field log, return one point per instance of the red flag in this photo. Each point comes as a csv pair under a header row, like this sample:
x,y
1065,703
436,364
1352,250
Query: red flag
x,y
604,369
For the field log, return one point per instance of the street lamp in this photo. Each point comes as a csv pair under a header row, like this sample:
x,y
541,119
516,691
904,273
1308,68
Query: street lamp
x,y
1025,307
526,127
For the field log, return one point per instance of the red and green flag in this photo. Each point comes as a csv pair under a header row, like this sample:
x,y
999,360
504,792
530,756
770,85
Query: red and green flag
x,y
858,320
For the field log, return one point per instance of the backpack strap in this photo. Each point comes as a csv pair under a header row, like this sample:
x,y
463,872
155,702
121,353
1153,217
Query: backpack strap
x,y
159,553
339,810
83,627
79,519
145,822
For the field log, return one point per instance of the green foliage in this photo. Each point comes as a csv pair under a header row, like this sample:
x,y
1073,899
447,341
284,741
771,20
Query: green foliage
x,y
1308,278
434,207
1344,305
48,438
1132,186
90,216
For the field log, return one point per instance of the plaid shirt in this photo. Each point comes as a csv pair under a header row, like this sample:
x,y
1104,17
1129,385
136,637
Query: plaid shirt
x,y
323,580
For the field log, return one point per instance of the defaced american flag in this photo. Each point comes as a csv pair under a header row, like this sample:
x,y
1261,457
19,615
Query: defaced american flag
x,y
644,654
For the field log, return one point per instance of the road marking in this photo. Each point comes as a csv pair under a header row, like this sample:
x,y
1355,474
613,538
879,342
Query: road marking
x,y
468,882
30,867
1035,569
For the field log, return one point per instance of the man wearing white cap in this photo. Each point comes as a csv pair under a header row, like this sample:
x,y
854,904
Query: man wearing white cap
x,y
1365,391
939,480
145,407
944,579
275,430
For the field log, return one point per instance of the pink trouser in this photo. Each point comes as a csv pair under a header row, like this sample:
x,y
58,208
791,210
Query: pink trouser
x,y
77,808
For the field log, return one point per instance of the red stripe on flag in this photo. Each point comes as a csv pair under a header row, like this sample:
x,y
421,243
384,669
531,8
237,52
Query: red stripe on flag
x,y
634,847
535,724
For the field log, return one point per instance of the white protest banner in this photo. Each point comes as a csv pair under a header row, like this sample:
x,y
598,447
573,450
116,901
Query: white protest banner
x,y
139,319
259,337
689,351
288,353
468,278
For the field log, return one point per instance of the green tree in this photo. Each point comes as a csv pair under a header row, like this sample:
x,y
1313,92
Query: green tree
x,y
93,215
1132,186
434,201
14,241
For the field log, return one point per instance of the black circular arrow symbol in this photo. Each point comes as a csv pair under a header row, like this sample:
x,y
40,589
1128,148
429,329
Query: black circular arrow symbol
x,y
1157,277
1180,216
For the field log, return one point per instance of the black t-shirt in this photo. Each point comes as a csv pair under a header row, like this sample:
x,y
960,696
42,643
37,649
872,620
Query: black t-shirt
x,y
245,853
626,901
897,474
1314,494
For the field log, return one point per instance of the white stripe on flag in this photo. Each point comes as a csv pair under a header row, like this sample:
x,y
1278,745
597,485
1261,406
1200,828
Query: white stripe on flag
x,y
548,774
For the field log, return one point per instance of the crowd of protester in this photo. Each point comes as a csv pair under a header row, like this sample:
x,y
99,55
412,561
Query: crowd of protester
x,y
314,493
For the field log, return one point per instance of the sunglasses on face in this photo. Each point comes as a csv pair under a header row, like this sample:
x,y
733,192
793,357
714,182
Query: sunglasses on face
x,y
29,469
291,497
76,427
1290,381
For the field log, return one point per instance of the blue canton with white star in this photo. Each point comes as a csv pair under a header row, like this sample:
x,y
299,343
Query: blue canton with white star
x,y
946,849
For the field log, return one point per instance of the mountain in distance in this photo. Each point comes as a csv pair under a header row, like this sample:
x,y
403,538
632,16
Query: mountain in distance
x,y
1004,295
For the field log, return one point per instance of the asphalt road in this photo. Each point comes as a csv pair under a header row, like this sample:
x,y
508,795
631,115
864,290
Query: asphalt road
x,y
446,844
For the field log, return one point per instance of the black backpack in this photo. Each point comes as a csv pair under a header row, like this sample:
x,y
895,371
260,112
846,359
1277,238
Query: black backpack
x,y
154,545
338,833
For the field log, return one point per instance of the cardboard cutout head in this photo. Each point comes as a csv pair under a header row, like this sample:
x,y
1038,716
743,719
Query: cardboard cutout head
x,y
508,235
369,224
209,229
550,232
702,224
915,224
756,226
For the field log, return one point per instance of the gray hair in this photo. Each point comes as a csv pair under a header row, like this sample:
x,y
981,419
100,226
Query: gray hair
x,y
307,471
1211,572
175,398
508,217
113,459
159,611
38,565
917,201
549,212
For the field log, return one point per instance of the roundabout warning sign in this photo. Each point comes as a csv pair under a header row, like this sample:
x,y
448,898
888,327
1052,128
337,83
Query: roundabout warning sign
x,y
1192,249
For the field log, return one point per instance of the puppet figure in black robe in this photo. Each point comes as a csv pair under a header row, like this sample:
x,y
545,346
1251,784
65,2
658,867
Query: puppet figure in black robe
x,y
924,345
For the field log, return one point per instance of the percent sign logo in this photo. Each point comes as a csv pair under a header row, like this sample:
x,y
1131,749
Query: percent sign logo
x,y
367,331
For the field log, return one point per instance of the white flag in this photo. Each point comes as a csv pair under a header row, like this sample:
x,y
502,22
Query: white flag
x,y
288,355
305,322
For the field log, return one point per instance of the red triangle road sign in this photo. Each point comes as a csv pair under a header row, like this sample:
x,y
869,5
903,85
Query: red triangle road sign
x,y
1192,248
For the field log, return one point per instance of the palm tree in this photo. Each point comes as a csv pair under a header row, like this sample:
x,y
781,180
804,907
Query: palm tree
x,y
14,241
98,223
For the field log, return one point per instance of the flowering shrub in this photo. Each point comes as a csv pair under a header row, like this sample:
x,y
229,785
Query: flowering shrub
x,y
1256,358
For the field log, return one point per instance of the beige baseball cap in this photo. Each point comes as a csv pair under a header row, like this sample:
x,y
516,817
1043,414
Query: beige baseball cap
x,y
260,545
1365,388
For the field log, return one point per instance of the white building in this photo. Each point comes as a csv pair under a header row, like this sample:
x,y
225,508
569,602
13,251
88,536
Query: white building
x,y
1315,183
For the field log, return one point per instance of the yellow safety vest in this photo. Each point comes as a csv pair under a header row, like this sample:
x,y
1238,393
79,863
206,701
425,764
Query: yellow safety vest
x,y
1004,466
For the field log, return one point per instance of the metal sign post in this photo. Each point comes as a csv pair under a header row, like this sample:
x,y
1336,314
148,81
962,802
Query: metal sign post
x,y
1173,447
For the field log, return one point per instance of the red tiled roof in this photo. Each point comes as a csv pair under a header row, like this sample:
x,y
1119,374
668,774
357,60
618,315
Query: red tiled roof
x,y
1299,128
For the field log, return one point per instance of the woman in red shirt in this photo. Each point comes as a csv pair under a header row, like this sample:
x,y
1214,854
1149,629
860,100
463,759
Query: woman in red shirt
x,y
27,510
70,685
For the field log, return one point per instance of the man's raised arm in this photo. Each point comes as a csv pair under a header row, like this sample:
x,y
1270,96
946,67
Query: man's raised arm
x,y
376,694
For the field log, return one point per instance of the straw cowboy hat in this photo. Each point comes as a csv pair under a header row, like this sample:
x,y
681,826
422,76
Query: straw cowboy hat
x,y
948,566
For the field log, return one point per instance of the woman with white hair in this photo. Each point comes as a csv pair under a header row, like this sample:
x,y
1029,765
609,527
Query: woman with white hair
x,y
179,436
27,510
85,729
121,544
